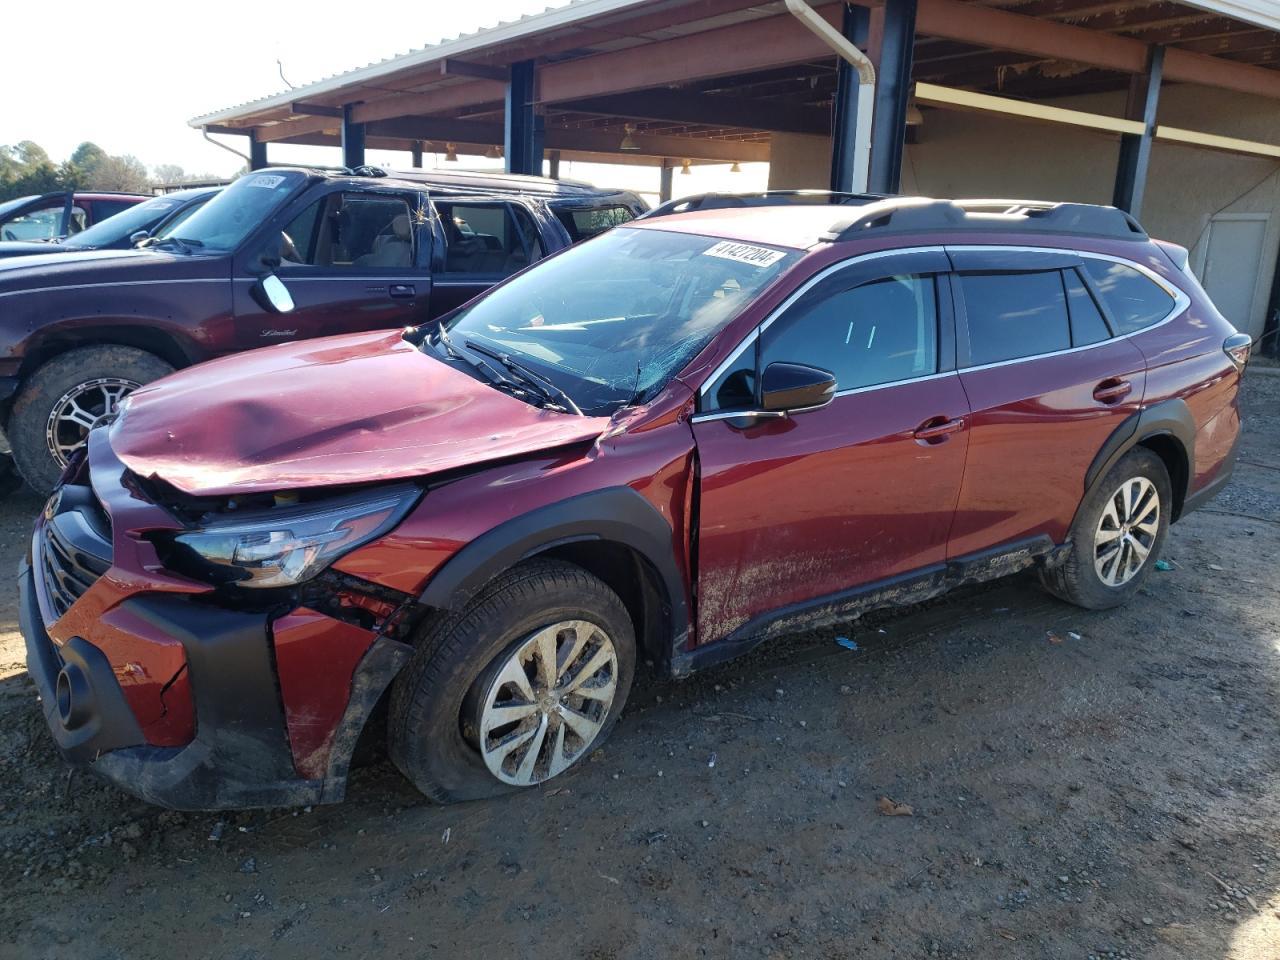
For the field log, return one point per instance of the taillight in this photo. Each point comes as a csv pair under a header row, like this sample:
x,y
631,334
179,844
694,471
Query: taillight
x,y
1237,347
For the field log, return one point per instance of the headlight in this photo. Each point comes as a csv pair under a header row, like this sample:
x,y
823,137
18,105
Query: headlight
x,y
285,546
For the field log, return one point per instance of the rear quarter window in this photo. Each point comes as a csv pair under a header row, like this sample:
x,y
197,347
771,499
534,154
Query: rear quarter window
x,y
585,224
1133,299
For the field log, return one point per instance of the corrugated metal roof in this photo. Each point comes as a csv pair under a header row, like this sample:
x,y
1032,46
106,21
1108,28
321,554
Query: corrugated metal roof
x,y
569,13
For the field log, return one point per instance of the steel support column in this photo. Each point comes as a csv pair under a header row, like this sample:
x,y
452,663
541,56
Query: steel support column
x,y
893,90
522,143
352,140
666,179
1135,149
844,123
415,154
257,152
553,164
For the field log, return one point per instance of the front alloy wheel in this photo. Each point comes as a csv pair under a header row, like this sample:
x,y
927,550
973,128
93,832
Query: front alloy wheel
x,y
548,703
79,410
1126,531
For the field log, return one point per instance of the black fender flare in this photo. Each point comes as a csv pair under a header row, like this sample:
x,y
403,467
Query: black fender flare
x,y
615,515
1170,417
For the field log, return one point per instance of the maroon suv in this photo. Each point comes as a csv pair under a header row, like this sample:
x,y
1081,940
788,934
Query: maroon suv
x,y
674,441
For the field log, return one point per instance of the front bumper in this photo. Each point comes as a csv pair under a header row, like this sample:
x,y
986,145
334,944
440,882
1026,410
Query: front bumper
x,y
240,756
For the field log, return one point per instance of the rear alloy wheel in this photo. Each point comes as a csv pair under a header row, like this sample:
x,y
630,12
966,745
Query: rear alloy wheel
x,y
69,396
1126,532
1117,536
516,688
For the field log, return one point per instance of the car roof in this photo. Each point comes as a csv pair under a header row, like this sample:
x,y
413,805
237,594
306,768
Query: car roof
x,y
466,182
804,226
108,195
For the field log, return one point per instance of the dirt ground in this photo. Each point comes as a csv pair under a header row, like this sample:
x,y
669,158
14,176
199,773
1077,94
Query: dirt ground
x,y
1083,785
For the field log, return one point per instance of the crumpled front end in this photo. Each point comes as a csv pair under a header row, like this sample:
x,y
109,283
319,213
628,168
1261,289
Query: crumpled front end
x,y
174,690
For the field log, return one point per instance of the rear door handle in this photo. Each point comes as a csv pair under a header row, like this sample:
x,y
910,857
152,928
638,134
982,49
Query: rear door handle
x,y
1112,390
403,291
938,429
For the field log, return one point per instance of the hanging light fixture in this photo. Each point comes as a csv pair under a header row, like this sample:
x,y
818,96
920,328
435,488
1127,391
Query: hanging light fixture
x,y
628,142
451,152
735,168
685,167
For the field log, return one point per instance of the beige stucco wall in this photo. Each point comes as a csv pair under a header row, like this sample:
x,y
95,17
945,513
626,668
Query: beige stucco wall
x,y
972,154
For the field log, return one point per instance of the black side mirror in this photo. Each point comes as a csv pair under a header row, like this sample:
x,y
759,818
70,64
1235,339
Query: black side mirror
x,y
796,386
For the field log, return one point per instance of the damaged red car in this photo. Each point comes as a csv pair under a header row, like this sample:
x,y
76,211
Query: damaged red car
x,y
673,442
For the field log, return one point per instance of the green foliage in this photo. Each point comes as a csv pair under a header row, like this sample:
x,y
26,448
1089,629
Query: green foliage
x,y
25,168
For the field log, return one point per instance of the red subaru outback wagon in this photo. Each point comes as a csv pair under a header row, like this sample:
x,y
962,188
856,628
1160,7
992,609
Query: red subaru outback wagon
x,y
679,439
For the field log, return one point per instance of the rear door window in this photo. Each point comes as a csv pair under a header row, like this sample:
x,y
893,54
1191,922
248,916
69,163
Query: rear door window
x,y
103,209
1014,315
1133,299
491,239
1087,323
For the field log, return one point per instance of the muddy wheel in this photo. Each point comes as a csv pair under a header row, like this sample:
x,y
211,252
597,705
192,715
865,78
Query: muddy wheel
x,y
66,398
518,688
1117,535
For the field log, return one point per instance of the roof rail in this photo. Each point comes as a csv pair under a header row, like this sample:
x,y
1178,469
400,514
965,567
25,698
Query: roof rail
x,y
765,198
922,214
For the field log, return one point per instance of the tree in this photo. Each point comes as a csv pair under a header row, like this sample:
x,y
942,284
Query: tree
x,y
125,173
87,156
168,173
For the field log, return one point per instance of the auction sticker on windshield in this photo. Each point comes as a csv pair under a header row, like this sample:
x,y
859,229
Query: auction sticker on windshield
x,y
268,180
744,253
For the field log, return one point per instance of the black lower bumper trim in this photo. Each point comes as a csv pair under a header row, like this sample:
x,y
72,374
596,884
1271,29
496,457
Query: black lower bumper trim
x,y
240,756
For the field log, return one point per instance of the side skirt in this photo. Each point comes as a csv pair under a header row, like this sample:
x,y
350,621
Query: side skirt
x,y
900,591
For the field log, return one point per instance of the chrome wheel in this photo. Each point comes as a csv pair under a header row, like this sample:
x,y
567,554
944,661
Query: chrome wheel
x,y
1127,531
548,702
81,409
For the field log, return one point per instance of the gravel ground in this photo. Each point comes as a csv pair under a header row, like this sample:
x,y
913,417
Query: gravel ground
x,y
1079,785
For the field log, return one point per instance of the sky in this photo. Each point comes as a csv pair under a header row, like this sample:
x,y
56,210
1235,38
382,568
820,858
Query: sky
x,y
141,70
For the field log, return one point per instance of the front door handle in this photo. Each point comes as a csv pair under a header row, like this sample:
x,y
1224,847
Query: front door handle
x,y
1112,390
403,291
937,429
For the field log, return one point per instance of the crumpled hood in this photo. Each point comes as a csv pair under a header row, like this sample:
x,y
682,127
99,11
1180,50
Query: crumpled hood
x,y
339,410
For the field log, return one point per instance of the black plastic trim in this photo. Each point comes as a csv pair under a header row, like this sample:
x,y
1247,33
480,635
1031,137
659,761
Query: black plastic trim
x,y
615,514
1170,417
902,590
1195,501
373,674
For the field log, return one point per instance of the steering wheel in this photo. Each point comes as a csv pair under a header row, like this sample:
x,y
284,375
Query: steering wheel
x,y
10,235
288,251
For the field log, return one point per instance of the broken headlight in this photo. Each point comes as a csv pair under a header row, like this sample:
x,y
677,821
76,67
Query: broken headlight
x,y
284,546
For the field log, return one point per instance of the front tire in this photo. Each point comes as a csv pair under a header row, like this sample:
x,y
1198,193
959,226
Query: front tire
x,y
519,687
1118,534
64,399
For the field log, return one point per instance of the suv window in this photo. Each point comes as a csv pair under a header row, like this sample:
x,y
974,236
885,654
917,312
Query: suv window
x,y
878,332
488,238
1014,315
1135,301
102,209
351,231
585,224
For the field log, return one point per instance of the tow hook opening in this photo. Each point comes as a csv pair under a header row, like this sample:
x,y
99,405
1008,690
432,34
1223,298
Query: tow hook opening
x,y
73,697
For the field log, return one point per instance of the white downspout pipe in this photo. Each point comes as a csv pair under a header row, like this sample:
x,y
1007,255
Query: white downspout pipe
x,y
844,49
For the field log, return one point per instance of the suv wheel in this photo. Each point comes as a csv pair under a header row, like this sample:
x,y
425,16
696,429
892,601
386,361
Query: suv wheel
x,y
66,398
517,688
1117,536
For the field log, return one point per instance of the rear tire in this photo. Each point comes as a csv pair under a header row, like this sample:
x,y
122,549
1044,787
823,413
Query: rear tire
x,y
474,687
1118,534
65,397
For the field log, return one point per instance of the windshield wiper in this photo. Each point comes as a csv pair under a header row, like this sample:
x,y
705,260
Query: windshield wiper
x,y
496,376
183,243
535,380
